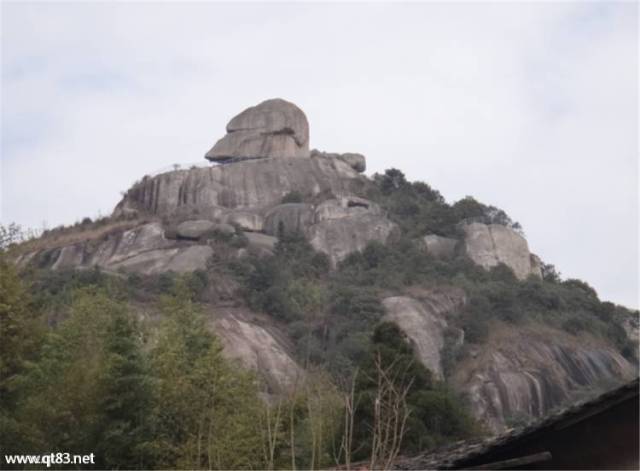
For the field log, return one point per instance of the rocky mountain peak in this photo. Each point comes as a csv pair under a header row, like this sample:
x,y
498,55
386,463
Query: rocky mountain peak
x,y
273,128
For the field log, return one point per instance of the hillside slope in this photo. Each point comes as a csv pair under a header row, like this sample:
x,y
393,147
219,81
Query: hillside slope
x,y
299,256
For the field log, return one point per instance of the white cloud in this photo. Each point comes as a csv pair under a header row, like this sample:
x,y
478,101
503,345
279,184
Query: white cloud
x,y
530,107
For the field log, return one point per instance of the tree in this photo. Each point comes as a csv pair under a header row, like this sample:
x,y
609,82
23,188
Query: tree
x,y
125,397
21,334
206,409
63,389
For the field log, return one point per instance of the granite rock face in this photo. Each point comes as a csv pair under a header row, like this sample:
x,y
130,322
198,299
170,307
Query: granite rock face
x,y
530,372
143,249
289,217
195,229
356,161
490,245
248,194
274,128
424,322
440,247
255,185
517,371
346,225
258,345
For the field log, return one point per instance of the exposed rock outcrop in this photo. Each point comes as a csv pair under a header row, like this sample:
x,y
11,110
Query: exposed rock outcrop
x,y
490,245
517,371
424,322
258,345
289,217
274,128
143,249
346,225
256,185
356,161
196,229
530,372
246,220
261,241
440,247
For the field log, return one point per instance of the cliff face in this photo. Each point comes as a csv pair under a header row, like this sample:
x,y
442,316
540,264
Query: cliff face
x,y
252,185
171,217
519,371
529,372
490,245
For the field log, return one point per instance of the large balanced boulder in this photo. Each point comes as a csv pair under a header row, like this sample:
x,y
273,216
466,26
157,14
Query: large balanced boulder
x,y
274,128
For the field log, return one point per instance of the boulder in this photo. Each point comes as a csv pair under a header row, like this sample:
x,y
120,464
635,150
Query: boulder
x,y
358,162
536,265
259,346
261,241
194,229
246,220
345,207
440,247
70,256
355,161
291,217
347,225
274,128
424,329
490,245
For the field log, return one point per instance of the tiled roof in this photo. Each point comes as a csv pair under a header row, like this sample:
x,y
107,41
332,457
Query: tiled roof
x,y
448,457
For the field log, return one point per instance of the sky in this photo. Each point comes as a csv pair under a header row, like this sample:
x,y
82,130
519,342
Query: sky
x,y
531,107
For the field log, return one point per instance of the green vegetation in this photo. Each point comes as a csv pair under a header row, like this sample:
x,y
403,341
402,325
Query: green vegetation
x,y
419,209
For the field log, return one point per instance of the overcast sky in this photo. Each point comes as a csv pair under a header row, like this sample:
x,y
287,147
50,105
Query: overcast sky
x,y
530,107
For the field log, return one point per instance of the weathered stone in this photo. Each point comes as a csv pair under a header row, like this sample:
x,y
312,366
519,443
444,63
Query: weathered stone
x,y
347,225
177,259
531,371
291,217
536,265
258,346
422,327
261,241
194,229
70,256
355,161
224,228
255,185
345,207
490,245
245,220
130,243
440,247
274,128
358,162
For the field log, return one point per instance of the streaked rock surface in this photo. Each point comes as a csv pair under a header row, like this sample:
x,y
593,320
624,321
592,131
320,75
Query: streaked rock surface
x,y
490,245
528,372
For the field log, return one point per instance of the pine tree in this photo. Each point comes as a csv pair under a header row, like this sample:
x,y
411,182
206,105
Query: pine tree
x,y
125,397
21,333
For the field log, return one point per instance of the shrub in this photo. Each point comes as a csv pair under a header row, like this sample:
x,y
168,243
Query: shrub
x,y
292,197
